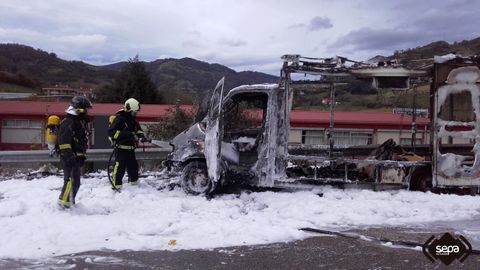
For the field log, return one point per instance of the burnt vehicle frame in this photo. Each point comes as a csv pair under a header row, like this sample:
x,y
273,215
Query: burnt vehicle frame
x,y
203,153
455,104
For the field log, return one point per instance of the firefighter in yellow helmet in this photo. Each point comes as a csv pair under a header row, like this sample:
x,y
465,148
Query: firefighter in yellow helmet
x,y
123,132
73,143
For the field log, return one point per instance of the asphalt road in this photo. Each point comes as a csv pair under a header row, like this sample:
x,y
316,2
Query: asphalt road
x,y
317,252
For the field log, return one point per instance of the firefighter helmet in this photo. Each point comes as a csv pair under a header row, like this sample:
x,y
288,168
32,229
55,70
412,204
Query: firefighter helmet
x,y
132,105
79,102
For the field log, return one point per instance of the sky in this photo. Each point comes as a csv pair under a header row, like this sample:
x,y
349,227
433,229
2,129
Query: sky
x,y
243,35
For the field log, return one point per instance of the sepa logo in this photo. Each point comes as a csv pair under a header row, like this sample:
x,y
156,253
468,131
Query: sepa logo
x,y
447,248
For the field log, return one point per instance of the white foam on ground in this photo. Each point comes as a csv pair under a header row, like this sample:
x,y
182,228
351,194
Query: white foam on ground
x,y
144,218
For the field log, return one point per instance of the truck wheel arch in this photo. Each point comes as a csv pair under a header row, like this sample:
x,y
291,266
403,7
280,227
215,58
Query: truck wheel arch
x,y
421,179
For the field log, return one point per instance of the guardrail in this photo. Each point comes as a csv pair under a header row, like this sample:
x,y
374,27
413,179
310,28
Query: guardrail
x,y
160,153
92,155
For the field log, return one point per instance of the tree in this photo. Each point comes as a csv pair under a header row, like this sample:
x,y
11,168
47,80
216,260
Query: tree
x,y
133,81
170,125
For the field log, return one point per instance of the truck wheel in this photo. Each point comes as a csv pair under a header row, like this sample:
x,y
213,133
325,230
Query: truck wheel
x,y
195,178
421,179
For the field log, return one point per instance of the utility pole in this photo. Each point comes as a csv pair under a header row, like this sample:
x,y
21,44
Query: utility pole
x,y
331,126
177,107
414,117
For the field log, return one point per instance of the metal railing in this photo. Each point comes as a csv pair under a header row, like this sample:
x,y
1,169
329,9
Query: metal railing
x,y
92,155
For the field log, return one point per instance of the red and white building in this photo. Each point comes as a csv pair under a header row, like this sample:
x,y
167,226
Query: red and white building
x,y
23,124
356,128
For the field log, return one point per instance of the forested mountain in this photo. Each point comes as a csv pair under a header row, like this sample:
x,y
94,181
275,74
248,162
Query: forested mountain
x,y
188,74
426,53
25,66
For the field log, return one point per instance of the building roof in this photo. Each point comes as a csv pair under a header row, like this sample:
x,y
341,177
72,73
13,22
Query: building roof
x,y
153,111
58,108
370,118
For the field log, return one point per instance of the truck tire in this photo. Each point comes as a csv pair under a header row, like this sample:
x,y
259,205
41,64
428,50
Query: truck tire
x,y
195,178
421,179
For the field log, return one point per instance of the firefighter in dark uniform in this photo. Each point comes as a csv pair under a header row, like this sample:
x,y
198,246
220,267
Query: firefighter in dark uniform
x,y
123,131
73,143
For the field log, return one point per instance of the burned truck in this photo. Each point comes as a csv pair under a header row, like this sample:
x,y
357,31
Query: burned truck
x,y
244,138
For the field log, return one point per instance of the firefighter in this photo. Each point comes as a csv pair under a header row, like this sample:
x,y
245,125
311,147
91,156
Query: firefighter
x,y
123,132
73,143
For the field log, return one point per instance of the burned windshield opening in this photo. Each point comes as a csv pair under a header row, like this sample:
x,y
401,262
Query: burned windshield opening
x,y
244,115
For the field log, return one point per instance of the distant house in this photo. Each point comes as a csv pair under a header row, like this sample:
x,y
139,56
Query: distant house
x,y
389,76
386,73
67,91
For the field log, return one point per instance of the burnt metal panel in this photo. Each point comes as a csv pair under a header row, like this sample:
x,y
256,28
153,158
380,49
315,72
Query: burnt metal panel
x,y
455,105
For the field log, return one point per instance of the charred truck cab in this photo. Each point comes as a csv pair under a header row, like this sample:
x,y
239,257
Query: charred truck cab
x,y
244,137
229,143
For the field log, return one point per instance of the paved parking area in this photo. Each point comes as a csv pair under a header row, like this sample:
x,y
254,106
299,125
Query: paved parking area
x,y
317,252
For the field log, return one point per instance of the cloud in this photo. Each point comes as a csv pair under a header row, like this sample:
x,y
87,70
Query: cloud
x,y
315,24
426,22
375,39
318,23
81,40
192,44
455,25
195,33
20,35
243,60
232,42
96,58
212,30
297,25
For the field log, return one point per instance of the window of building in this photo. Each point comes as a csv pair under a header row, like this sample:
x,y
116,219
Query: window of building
x,y
23,131
408,141
35,124
313,137
8,123
21,123
350,138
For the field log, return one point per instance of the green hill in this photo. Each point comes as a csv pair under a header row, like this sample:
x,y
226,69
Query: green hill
x,y
25,66
427,52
